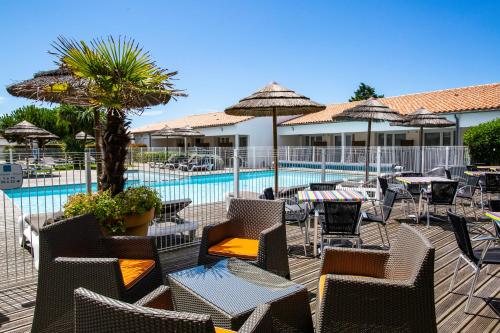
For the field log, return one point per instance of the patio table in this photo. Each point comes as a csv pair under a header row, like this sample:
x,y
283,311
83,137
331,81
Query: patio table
x,y
423,180
478,173
230,289
495,216
327,196
489,167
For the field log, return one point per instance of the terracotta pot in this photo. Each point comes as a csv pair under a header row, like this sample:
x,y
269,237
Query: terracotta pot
x,y
137,225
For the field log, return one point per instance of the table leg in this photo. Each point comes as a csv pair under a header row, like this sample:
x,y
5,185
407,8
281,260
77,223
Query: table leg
x,y
307,226
315,239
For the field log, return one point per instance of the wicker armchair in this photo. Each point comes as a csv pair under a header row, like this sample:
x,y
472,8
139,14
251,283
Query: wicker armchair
x,y
74,253
382,291
154,313
254,231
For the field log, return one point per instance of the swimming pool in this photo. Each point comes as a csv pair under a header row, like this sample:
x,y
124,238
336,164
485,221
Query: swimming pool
x,y
199,188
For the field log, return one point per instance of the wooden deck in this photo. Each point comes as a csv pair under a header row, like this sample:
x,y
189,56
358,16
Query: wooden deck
x,y
17,302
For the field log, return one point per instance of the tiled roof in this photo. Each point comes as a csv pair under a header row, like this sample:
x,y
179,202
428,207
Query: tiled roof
x,y
481,97
195,121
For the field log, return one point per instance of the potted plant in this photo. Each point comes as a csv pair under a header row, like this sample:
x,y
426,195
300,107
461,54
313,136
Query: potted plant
x,y
138,206
102,205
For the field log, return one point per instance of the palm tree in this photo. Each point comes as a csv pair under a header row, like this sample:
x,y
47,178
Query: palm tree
x,y
121,78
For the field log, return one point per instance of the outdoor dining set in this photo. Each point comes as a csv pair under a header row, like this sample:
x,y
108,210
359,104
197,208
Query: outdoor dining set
x,y
97,283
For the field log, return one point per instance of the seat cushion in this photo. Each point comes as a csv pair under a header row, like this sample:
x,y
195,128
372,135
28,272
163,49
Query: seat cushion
x,y
223,330
133,270
242,248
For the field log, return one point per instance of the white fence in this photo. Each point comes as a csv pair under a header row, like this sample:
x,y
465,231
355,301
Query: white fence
x,y
211,177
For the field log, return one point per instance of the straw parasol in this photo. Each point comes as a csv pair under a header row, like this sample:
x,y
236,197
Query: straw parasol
x,y
27,132
272,101
186,132
370,110
423,118
83,136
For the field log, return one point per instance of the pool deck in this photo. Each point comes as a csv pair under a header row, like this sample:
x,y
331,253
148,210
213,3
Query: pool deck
x,y
17,300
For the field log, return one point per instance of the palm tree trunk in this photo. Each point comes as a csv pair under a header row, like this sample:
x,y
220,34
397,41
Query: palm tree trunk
x,y
115,142
98,146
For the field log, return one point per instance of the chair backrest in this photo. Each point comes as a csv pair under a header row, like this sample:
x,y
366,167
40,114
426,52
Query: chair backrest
x,y
436,172
495,205
492,182
443,193
388,203
411,257
459,224
322,186
250,217
99,314
341,217
74,237
384,184
268,193
448,173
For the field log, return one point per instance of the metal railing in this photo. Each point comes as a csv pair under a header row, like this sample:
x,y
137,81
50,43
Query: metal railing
x,y
206,182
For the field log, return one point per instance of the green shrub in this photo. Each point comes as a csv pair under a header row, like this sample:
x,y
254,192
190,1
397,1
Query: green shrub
x,y
151,156
138,200
102,205
483,141
137,145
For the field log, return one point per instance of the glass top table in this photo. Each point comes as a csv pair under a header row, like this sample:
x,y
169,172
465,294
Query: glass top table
x,y
230,289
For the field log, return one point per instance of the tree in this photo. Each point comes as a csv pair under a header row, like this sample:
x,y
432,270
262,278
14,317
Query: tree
x,y
363,92
120,77
483,141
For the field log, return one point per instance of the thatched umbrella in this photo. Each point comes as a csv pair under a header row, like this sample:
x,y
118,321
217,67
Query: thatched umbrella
x,y
272,101
423,118
26,131
370,110
83,136
186,132
43,140
165,132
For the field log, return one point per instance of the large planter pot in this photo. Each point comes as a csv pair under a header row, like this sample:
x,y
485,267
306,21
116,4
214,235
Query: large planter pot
x,y
137,225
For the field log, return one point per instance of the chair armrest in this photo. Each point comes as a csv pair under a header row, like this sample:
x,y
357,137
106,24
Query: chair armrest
x,y
354,262
131,247
160,298
213,234
259,321
273,252
101,275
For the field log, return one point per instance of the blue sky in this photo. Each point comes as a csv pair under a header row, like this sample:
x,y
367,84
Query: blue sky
x,y
225,50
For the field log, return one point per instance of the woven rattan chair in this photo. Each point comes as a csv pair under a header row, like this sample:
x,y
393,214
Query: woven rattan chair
x,y
74,253
378,291
154,313
254,231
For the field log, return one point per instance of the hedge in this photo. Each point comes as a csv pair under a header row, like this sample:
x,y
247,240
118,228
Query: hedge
x,y
483,141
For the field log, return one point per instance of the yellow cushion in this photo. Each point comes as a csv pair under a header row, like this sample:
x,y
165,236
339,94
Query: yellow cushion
x,y
222,330
242,248
133,270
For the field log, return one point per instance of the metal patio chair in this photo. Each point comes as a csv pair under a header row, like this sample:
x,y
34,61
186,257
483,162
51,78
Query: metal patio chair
x,y
490,186
341,221
95,313
371,215
477,258
440,194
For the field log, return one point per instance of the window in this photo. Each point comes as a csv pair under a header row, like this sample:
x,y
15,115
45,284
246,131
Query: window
x,y
447,139
398,138
432,139
380,139
348,140
306,140
388,140
338,141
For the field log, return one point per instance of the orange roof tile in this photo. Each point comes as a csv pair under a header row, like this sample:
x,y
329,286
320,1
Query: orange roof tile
x,y
481,97
195,121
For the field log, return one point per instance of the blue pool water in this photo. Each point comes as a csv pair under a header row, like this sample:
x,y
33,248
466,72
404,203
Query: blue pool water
x,y
199,188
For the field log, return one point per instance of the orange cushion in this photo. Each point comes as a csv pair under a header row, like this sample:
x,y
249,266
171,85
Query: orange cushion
x,y
133,270
223,330
242,248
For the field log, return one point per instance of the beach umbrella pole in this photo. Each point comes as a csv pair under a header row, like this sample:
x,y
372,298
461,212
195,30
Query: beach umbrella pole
x,y
421,142
367,158
275,148
185,146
